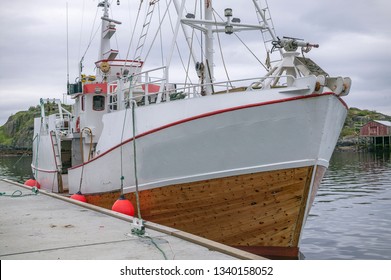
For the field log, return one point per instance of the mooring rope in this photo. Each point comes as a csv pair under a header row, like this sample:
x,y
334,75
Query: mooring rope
x,y
139,230
19,193
155,244
121,149
135,158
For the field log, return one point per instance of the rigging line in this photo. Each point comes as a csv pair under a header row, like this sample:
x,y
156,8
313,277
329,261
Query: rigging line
x,y
134,31
161,36
202,38
115,34
199,40
89,44
191,47
23,155
159,30
81,27
189,60
130,28
221,51
245,45
67,20
176,43
92,35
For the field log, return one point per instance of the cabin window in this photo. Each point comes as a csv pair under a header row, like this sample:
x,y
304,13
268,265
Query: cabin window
x,y
82,102
98,103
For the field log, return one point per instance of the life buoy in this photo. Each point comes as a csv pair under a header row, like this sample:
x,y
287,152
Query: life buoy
x,y
78,124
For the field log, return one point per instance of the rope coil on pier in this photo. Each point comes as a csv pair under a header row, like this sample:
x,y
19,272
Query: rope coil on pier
x,y
19,193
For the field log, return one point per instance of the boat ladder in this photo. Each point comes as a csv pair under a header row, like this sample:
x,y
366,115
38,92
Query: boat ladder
x,y
144,31
269,33
56,150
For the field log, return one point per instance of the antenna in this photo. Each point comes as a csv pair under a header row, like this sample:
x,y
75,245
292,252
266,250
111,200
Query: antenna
x,y
67,48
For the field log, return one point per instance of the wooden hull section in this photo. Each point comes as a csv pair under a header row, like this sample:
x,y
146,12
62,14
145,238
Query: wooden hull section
x,y
265,209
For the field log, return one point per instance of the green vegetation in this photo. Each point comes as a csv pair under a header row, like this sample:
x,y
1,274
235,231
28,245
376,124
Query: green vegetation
x,y
5,139
17,132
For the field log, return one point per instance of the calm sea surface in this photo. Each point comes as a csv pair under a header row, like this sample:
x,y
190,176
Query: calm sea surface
x,y
351,215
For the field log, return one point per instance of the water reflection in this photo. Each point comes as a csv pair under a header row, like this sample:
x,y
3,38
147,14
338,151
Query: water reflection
x,y
351,216
17,168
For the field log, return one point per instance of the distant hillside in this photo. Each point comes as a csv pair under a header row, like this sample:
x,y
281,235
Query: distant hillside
x,y
357,118
17,133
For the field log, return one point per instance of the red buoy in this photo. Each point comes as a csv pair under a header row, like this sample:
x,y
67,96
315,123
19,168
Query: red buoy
x,y
124,206
78,196
32,183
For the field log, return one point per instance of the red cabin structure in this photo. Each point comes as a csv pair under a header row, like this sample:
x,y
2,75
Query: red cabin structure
x,y
379,132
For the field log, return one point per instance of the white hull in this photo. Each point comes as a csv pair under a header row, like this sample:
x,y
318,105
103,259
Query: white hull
x,y
224,141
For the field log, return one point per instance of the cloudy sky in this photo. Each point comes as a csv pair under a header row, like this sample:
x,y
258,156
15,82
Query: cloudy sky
x,y
354,38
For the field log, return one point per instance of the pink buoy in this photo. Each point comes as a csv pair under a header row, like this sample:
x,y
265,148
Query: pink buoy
x,y
78,196
124,206
32,183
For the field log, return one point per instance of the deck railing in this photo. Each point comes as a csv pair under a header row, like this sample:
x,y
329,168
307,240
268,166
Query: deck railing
x,y
142,86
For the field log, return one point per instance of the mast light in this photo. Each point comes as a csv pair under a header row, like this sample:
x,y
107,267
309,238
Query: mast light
x,y
229,29
228,12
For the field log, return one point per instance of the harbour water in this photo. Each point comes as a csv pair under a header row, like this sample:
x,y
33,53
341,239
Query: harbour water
x,y
351,215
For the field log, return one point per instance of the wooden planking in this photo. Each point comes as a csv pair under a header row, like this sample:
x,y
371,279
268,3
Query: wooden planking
x,y
276,190
262,209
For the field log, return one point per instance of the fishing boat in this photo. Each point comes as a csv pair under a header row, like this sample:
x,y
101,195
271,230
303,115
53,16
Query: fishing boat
x,y
237,161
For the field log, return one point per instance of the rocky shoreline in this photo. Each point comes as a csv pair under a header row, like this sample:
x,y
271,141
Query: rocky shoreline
x,y
15,151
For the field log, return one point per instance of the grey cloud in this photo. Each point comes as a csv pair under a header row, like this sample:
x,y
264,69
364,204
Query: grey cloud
x,y
354,38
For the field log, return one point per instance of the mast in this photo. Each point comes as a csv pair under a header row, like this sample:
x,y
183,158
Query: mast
x,y
106,54
209,47
104,43
208,26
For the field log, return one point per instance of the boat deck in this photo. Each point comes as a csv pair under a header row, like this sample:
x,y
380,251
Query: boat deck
x,y
49,226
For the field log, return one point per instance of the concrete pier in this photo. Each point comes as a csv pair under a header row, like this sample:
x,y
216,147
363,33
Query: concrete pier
x,y
48,226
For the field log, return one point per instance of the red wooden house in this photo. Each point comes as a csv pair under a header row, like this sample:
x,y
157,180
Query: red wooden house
x,y
378,131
